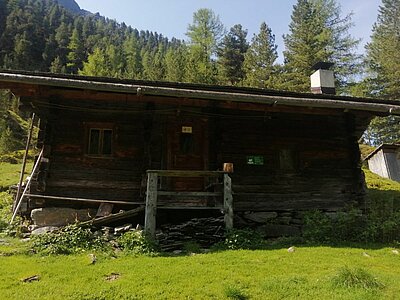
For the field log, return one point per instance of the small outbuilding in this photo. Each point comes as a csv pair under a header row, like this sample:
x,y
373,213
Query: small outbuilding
x,y
385,161
176,149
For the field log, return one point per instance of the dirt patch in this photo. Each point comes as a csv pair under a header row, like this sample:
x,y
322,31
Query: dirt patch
x,y
113,276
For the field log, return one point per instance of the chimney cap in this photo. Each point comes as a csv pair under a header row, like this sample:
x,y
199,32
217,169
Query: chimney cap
x,y
322,66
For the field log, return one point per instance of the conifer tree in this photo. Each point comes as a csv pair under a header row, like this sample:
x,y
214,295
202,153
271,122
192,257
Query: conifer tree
x,y
231,55
260,58
133,67
383,66
175,62
318,32
3,18
383,55
205,33
62,35
153,64
76,54
96,64
57,66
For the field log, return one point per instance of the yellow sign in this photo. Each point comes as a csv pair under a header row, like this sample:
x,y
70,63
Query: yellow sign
x,y
187,129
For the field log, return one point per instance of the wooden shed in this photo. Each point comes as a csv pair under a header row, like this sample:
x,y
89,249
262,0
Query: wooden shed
x,y
128,142
385,161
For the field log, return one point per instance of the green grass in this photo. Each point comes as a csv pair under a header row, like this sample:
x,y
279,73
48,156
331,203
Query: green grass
x,y
382,193
10,174
308,273
261,274
356,278
378,183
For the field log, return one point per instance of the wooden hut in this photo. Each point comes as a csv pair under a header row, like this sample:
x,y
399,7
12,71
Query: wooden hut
x,y
125,142
385,161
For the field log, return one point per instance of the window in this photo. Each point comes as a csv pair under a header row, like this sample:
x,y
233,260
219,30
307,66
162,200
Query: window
x,y
186,143
100,142
287,160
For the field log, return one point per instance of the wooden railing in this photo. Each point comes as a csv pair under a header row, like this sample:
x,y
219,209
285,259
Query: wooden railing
x,y
153,193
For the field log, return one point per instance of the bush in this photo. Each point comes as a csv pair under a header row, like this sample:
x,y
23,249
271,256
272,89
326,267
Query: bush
x,y
138,242
5,210
383,216
191,247
243,239
317,227
349,226
355,278
70,239
16,157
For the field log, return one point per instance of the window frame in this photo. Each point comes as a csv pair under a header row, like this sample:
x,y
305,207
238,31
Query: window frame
x,y
101,127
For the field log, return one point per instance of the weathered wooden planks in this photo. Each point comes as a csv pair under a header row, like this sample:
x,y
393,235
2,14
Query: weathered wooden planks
x,y
323,142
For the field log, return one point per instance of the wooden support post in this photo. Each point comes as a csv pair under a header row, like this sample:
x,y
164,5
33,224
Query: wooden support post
x,y
151,204
18,205
228,202
21,177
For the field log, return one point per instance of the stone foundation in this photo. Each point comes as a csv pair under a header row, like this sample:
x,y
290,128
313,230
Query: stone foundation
x,y
271,224
58,216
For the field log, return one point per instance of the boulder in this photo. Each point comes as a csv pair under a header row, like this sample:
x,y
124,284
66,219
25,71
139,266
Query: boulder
x,y
58,216
43,230
276,230
261,217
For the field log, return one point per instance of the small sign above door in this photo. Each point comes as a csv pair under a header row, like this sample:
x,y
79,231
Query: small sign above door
x,y
187,129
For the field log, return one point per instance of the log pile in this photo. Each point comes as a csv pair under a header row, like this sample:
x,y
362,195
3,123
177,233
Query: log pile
x,y
204,231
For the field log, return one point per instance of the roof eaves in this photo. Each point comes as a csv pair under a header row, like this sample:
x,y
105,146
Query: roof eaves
x,y
182,90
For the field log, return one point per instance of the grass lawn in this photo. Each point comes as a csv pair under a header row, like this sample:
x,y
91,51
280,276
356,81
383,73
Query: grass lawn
x,y
9,174
263,274
308,273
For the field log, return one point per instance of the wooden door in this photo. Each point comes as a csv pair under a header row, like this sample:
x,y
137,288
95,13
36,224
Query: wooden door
x,y
188,150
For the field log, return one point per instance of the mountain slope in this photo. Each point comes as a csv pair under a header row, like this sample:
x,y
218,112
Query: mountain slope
x,y
72,6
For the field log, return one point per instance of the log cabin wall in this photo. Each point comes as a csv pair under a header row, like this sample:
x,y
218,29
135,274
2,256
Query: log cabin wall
x,y
302,161
305,161
73,172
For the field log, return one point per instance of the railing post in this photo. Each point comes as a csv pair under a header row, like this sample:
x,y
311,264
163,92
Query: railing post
x,y
228,202
151,204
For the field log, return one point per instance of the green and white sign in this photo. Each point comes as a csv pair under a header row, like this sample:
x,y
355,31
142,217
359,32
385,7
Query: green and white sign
x,y
256,160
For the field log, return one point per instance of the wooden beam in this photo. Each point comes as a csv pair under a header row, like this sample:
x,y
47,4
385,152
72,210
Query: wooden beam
x,y
22,174
115,217
151,205
189,194
81,199
27,186
228,202
186,173
170,207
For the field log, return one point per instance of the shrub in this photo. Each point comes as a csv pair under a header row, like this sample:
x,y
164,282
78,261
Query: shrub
x,y
348,225
243,239
138,242
5,210
191,247
383,216
16,157
355,278
70,239
317,227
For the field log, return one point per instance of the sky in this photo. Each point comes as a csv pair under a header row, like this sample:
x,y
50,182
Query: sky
x,y
171,17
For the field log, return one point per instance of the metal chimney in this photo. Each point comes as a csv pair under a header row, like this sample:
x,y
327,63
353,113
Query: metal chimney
x,y
323,80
